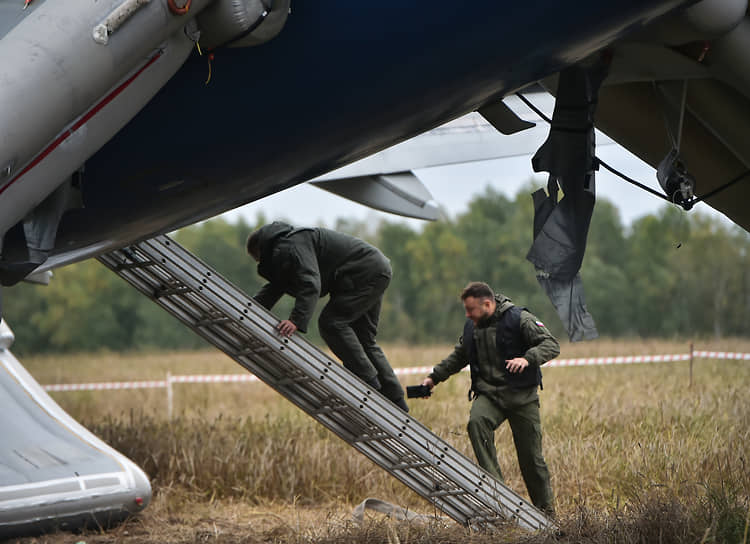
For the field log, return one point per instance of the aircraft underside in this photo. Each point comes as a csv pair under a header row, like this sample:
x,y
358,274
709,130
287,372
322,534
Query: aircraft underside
x,y
334,85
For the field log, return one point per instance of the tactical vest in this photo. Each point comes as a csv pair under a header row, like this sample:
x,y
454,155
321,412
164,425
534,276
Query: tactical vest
x,y
510,344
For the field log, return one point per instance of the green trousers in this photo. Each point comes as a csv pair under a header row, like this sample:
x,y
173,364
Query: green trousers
x,y
486,416
349,324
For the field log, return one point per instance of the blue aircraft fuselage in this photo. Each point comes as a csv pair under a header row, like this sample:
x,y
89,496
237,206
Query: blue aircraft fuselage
x,y
341,81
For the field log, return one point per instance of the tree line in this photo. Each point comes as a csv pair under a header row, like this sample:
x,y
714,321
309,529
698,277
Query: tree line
x,y
668,274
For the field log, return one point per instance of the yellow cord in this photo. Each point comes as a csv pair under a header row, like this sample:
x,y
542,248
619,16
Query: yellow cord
x,y
208,58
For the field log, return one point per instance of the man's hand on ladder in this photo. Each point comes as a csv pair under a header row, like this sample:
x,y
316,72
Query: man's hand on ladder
x,y
286,328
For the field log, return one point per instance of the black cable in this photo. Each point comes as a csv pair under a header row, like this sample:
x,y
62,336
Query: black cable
x,y
646,188
533,107
631,180
722,187
597,159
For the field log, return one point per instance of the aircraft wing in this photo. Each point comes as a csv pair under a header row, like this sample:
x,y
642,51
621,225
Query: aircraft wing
x,y
386,180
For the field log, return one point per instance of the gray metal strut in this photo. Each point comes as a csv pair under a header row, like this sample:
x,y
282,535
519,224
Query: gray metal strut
x,y
233,322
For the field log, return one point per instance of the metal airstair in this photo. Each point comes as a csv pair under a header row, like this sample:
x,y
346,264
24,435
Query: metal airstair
x,y
232,321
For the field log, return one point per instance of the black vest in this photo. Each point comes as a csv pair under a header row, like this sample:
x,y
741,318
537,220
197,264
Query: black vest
x,y
510,345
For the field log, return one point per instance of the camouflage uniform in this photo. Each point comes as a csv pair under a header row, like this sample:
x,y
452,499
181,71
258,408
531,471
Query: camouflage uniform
x,y
309,263
497,400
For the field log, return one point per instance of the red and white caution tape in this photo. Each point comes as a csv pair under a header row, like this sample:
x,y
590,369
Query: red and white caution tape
x,y
421,370
619,360
215,378
104,386
721,355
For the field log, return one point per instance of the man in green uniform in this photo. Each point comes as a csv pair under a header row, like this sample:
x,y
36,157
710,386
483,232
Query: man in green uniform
x,y
504,345
309,263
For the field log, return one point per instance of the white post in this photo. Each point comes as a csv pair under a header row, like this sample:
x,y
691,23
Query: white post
x,y
690,386
170,396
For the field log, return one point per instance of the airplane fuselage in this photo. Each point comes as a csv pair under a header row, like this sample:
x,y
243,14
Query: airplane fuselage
x,y
342,80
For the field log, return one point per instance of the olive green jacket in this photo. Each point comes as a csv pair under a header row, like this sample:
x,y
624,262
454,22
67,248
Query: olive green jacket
x,y
542,347
309,263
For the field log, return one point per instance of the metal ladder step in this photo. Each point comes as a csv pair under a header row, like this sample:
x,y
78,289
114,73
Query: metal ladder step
x,y
230,320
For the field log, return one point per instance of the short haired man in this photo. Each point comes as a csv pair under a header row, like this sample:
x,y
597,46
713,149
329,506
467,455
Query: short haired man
x,y
309,263
504,345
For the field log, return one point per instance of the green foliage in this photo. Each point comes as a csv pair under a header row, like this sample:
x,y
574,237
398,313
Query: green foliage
x,y
670,274
401,301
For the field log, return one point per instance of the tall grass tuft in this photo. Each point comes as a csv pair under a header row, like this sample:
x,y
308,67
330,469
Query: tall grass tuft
x,y
289,458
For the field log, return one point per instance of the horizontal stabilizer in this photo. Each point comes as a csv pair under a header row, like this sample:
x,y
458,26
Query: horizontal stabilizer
x,y
401,193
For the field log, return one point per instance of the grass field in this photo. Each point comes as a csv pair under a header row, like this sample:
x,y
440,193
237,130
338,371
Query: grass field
x,y
636,453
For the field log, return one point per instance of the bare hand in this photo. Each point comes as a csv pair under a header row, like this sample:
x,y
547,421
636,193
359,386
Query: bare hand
x,y
286,328
429,383
516,365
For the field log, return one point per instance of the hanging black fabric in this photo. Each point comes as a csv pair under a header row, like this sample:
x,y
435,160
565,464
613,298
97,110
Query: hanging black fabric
x,y
561,228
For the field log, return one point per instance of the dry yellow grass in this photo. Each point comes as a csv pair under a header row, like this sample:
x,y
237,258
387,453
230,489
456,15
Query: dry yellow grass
x,y
211,400
617,438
